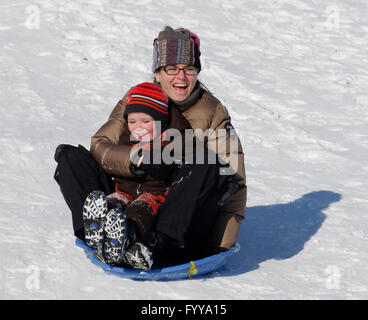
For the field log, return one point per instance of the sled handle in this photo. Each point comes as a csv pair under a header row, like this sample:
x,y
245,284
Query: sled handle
x,y
98,257
193,269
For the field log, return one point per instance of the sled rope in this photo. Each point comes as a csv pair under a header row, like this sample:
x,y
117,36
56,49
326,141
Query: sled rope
x,y
98,257
193,269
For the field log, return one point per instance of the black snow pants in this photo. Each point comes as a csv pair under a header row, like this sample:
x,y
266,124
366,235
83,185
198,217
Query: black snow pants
x,y
187,215
78,174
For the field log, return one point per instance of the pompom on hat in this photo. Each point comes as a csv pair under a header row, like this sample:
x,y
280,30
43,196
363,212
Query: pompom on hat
x,y
148,98
179,46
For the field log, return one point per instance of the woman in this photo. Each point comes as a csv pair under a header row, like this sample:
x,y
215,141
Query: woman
x,y
176,65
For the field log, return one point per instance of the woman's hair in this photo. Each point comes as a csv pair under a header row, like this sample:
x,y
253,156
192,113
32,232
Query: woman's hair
x,y
204,87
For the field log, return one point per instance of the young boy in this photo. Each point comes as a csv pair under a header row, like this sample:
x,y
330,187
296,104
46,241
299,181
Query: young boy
x,y
113,223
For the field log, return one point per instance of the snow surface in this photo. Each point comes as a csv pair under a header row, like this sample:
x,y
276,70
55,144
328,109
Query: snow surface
x,y
294,77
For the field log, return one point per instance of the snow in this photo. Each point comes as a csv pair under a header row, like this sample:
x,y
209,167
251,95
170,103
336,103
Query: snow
x,y
293,75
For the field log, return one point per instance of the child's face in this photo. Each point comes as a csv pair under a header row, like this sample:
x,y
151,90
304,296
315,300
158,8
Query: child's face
x,y
141,126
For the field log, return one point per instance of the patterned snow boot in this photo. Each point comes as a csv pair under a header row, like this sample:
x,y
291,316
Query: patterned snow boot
x,y
139,257
94,213
115,236
142,256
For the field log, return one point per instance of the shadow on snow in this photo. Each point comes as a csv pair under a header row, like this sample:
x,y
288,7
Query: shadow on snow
x,y
278,231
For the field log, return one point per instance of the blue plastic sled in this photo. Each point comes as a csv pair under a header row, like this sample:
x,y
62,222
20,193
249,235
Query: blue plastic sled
x,y
182,271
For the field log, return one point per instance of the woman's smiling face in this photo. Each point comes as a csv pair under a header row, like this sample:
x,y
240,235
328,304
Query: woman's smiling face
x,y
178,87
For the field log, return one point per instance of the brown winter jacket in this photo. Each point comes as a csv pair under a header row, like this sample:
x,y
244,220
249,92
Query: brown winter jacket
x,y
206,112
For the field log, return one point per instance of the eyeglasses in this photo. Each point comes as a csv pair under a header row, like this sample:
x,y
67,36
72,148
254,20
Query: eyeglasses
x,y
171,70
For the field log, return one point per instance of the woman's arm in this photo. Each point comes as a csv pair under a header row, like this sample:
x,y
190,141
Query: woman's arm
x,y
228,146
113,157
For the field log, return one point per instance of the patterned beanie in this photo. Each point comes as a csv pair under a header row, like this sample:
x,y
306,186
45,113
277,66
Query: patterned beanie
x,y
150,99
179,46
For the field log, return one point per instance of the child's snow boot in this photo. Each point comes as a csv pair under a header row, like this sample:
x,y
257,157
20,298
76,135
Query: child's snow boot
x,y
142,212
116,236
119,200
142,255
139,257
94,213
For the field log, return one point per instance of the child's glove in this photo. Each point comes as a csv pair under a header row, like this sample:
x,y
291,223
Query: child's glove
x,y
150,161
226,188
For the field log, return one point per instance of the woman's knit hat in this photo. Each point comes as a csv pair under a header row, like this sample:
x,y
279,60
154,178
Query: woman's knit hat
x,y
179,46
150,99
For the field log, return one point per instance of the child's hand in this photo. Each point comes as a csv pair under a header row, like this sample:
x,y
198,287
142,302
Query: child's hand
x,y
151,162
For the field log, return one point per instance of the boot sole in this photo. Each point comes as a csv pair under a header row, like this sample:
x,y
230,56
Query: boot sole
x,y
115,236
94,213
139,257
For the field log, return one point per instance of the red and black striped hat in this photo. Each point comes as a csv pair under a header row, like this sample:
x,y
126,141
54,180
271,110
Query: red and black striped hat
x,y
150,99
